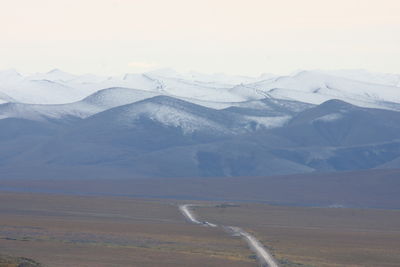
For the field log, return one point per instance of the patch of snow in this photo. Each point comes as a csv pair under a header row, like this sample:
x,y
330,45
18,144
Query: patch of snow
x,y
170,116
218,91
365,76
268,122
330,117
315,87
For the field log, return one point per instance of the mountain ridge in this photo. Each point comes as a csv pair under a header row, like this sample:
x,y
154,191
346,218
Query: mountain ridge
x,y
177,125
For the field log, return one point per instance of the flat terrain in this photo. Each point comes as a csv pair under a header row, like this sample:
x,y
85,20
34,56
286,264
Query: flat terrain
x,y
65,230
360,189
58,230
319,237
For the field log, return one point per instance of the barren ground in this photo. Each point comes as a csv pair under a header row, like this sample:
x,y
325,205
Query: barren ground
x,y
320,237
65,230
109,231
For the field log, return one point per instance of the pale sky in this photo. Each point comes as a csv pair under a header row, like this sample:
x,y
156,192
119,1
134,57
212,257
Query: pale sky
x,y
246,37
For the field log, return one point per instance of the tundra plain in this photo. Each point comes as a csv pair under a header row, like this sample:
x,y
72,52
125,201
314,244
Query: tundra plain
x,y
317,237
65,230
58,230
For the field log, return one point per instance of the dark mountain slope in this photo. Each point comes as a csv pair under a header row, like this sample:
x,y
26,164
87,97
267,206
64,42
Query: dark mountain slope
x,y
336,123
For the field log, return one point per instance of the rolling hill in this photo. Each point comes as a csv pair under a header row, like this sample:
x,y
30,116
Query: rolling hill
x,y
165,124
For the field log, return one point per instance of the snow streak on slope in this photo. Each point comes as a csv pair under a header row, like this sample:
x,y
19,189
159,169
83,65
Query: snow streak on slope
x,y
37,91
266,101
176,113
366,76
315,87
97,102
353,86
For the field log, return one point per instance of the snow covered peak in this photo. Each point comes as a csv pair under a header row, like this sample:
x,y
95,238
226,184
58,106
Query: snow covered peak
x,y
5,98
10,76
165,72
358,87
365,76
117,96
170,112
56,75
54,71
10,73
316,87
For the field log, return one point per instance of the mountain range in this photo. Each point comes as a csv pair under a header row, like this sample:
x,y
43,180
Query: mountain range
x,y
169,124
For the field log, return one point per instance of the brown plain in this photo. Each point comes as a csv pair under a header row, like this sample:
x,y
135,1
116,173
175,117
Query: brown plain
x,y
61,230
82,231
320,237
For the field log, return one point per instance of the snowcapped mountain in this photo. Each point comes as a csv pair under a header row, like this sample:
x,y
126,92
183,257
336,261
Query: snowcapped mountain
x,y
354,86
366,76
164,123
315,87
97,102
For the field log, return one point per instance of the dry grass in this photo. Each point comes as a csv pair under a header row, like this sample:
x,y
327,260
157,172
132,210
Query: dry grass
x,y
7,261
320,237
61,230
107,231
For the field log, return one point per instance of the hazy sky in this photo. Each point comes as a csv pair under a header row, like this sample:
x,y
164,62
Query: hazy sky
x,y
233,36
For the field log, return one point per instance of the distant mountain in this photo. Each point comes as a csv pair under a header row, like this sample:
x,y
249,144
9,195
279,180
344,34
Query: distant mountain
x,y
316,87
337,123
353,86
166,124
366,76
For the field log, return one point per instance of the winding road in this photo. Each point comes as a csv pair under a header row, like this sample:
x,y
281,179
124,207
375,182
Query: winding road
x,y
264,257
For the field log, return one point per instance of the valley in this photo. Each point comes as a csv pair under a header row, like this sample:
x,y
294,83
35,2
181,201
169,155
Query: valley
x,y
200,133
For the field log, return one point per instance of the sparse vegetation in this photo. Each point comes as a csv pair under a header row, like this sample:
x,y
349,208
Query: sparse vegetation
x,y
59,230
226,205
288,263
318,237
8,261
